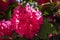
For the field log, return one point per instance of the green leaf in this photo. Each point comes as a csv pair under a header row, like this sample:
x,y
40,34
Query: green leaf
x,y
49,10
10,10
59,12
46,29
13,5
30,0
36,38
8,14
46,13
40,7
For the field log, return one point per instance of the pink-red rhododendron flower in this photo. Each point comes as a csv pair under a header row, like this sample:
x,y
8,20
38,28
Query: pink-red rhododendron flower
x,y
5,28
4,4
42,1
26,21
50,35
15,17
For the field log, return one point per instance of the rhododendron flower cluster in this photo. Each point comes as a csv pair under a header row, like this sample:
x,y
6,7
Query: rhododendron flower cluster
x,y
26,21
5,28
15,17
